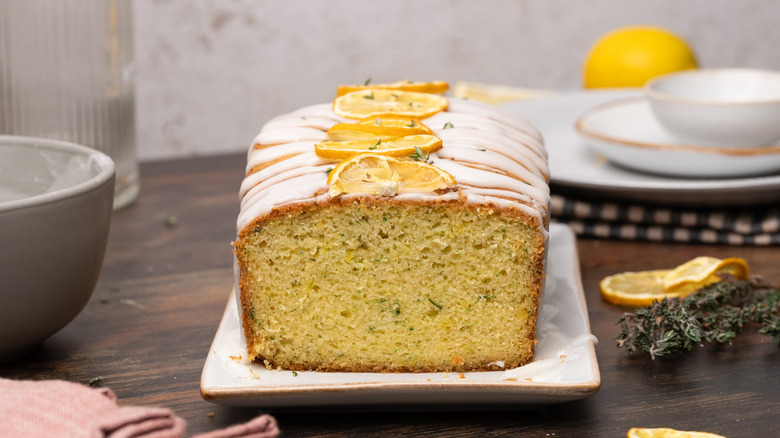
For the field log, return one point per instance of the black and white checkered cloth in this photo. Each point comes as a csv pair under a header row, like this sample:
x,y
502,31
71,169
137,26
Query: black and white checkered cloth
x,y
754,226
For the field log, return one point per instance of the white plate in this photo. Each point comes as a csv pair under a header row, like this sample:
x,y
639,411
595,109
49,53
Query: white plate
x,y
564,367
627,133
576,168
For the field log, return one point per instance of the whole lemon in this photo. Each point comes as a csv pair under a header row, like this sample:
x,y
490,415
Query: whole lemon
x,y
630,56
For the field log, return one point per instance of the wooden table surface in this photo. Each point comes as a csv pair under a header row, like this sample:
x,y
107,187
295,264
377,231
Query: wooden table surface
x,y
167,275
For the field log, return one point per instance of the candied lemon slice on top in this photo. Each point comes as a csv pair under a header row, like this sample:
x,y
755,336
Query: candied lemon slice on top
x,y
392,147
701,268
373,102
386,176
420,87
663,432
375,127
644,287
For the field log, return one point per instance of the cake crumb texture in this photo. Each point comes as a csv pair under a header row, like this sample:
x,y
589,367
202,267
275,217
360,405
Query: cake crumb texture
x,y
373,284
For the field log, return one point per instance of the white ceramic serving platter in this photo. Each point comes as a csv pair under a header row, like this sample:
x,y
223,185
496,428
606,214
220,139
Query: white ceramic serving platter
x,y
627,133
577,168
565,366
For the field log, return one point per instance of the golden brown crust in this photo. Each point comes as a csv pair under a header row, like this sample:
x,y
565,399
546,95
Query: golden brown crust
x,y
378,369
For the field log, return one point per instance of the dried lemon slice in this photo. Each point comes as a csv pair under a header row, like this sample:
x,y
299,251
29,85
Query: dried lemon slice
x,y
376,127
639,288
407,85
644,287
386,176
663,432
391,147
700,268
373,102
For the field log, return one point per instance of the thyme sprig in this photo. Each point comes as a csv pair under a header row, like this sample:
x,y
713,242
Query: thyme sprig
x,y
419,155
716,313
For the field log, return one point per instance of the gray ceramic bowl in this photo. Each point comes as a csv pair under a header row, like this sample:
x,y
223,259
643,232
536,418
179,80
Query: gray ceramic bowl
x,y
55,212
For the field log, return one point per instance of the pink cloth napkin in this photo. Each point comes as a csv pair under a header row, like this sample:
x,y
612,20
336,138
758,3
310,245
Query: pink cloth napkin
x,y
51,408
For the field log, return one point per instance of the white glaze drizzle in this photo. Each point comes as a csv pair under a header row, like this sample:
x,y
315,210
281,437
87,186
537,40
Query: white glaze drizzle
x,y
492,161
440,122
319,116
481,181
324,110
457,105
497,143
283,192
309,160
496,158
320,123
289,135
268,154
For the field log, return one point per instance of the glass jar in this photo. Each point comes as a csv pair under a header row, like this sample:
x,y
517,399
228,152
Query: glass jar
x,y
66,72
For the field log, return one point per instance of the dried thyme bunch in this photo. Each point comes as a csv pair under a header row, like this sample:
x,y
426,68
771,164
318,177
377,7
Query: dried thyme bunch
x,y
715,313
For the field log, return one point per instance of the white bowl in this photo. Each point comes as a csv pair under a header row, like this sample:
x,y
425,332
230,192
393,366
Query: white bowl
x,y
627,134
719,107
55,211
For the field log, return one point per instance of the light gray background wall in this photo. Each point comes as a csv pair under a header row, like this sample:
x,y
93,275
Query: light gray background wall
x,y
209,73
